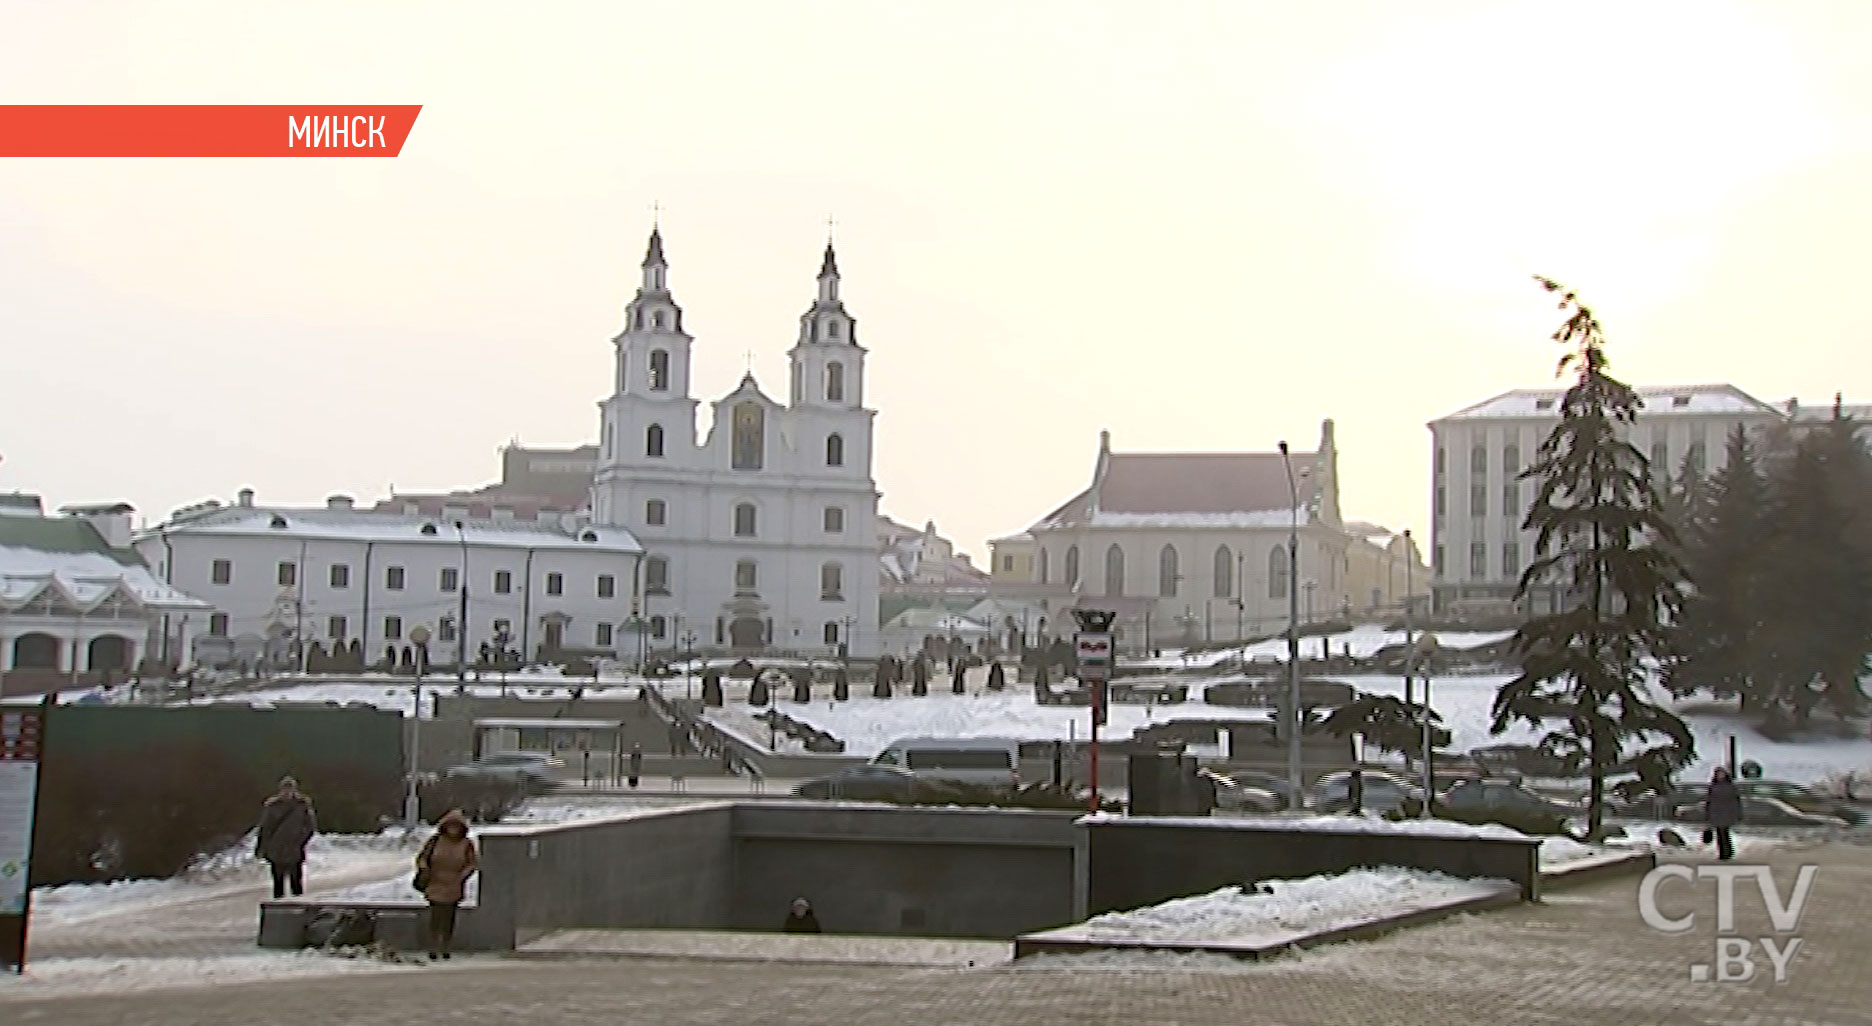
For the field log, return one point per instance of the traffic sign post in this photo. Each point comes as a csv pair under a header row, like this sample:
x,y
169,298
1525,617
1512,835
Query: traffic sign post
x,y
22,747
1093,645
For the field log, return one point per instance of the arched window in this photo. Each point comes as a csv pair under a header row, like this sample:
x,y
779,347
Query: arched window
x,y
1040,567
835,450
1277,573
750,436
659,319
1224,572
653,440
835,382
745,521
1072,565
1167,575
659,366
831,582
832,329
1114,571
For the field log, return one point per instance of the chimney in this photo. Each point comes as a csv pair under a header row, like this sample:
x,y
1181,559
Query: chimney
x,y
244,498
340,503
113,523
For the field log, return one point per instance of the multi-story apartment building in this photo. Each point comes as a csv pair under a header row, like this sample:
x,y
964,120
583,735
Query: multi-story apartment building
x,y
1479,501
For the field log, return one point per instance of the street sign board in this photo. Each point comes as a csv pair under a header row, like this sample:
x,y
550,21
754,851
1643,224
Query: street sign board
x,y
1094,647
20,734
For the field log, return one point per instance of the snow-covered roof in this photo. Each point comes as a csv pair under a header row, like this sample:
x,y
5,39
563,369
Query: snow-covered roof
x,y
936,621
371,526
62,563
1193,490
1544,403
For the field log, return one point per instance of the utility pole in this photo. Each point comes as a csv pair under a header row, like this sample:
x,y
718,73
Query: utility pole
x,y
1410,638
412,804
1295,776
461,631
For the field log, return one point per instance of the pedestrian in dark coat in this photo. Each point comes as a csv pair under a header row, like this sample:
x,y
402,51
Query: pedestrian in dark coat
x,y
443,868
1722,810
800,918
636,764
287,825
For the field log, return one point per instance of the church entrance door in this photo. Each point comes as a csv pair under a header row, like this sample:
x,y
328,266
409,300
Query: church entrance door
x,y
746,632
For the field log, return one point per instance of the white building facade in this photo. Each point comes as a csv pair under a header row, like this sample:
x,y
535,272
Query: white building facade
x,y
761,533
1479,503
77,605
340,576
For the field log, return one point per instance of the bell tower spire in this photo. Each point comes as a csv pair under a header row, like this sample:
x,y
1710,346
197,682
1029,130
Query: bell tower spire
x,y
828,363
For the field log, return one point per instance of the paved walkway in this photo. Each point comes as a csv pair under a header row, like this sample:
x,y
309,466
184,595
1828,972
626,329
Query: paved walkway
x,y
1582,958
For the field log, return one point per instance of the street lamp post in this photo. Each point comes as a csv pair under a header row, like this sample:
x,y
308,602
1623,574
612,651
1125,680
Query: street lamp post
x,y
688,640
411,803
1294,723
1410,638
1241,600
461,626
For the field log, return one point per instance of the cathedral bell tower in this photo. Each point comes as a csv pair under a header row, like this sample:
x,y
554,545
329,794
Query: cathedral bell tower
x,y
650,417
828,362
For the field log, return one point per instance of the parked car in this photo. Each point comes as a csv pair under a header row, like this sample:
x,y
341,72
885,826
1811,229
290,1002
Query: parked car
x,y
1762,812
1234,796
1807,799
1505,796
535,770
1278,786
874,782
985,761
1383,792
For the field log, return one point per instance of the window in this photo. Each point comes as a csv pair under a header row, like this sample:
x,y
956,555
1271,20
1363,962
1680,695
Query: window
x,y
222,572
746,575
656,575
1072,564
832,330
1167,575
750,436
746,520
217,625
1699,455
1511,459
555,584
835,520
340,575
1510,500
606,452
450,579
393,578
835,376
835,451
659,366
1224,572
653,440
392,628
445,629
1478,560
1511,560
335,627
503,582
1007,564
721,630
829,633
659,626
1040,567
1437,563
288,574
601,635
1114,570
1478,460
656,512
1660,458
831,582
503,629
607,586
1442,501
1478,499
1277,572
1441,455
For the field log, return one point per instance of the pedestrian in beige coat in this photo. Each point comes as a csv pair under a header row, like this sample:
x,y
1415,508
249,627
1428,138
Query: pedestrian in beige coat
x,y
442,872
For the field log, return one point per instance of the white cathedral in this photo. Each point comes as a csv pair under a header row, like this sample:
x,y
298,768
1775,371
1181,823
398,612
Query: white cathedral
x,y
761,535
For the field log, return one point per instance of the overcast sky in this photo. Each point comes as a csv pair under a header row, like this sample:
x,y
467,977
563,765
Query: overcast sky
x,y
1202,226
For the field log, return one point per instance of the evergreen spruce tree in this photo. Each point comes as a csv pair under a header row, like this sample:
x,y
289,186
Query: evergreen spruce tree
x,y
1718,636
1601,534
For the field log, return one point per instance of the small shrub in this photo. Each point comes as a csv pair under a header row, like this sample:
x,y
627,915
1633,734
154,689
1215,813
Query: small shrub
x,y
482,799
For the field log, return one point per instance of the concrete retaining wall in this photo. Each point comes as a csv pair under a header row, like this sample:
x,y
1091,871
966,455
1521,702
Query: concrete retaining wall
x,y
1133,862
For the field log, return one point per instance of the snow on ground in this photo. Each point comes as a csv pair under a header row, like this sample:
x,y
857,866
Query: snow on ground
x,y
1360,642
544,811
1322,824
867,724
72,977
1308,905
402,697
396,890
234,869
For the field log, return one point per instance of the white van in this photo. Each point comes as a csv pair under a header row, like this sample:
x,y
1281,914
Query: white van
x,y
987,761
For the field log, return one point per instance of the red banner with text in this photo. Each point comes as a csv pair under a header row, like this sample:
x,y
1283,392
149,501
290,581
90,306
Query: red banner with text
x,y
327,130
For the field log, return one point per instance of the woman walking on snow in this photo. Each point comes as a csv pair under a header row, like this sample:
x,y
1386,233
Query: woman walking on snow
x,y
442,871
